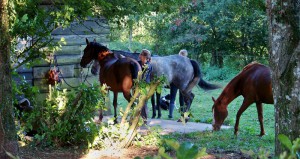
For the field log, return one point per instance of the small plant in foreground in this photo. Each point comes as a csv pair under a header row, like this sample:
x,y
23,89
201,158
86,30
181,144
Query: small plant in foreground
x,y
183,151
262,153
294,148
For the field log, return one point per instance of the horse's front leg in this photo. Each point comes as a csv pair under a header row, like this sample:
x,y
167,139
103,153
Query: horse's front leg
x,y
260,118
115,103
244,106
100,115
158,104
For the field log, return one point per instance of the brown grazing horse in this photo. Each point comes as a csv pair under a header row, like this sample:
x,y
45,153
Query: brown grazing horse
x,y
117,73
254,84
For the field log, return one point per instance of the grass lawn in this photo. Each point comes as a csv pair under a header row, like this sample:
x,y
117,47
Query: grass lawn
x,y
223,140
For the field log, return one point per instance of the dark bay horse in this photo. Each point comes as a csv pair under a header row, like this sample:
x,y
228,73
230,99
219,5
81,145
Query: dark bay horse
x,y
254,84
118,73
180,71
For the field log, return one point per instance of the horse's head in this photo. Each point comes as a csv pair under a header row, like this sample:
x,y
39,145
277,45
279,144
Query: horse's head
x,y
93,51
219,114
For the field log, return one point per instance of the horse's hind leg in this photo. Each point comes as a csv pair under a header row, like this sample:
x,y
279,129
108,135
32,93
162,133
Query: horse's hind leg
x,y
260,118
115,103
173,91
244,106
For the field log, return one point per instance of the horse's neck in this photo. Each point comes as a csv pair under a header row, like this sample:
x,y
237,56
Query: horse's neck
x,y
106,63
230,92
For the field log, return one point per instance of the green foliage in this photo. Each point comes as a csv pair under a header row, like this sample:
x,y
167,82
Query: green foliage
x,y
31,23
215,73
262,153
23,88
111,135
293,148
221,28
152,138
135,46
183,150
66,117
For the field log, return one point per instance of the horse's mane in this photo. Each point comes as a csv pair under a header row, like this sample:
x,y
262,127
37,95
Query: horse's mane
x,y
236,78
99,46
250,64
126,54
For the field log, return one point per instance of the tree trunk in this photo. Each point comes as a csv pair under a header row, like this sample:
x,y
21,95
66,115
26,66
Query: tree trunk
x,y
284,38
8,140
220,59
130,36
214,58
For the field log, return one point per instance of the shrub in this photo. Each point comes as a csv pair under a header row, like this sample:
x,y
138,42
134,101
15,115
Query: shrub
x,y
215,73
66,117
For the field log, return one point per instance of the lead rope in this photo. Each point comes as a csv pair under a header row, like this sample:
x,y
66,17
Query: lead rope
x,y
81,74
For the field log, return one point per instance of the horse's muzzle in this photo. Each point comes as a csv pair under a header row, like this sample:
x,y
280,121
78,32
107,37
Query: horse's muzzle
x,y
82,64
216,127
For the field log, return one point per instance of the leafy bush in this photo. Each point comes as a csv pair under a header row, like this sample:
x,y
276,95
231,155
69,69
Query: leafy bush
x,y
215,73
293,147
66,117
135,46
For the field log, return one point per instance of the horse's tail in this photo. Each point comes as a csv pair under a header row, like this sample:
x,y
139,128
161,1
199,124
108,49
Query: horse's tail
x,y
205,85
197,76
135,68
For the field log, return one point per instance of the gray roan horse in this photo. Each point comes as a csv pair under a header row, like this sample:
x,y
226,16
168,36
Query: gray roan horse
x,y
180,71
118,73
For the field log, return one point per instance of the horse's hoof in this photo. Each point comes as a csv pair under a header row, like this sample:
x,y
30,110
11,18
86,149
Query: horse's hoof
x,y
153,116
261,134
236,133
159,117
98,121
115,121
187,119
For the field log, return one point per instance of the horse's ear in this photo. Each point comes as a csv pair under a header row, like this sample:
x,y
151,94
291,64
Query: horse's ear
x,y
95,40
213,99
87,41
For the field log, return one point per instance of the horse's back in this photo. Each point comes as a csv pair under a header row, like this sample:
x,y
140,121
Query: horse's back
x,y
176,68
257,83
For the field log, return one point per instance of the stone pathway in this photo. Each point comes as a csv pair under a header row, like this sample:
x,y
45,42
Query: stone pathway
x,y
171,126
